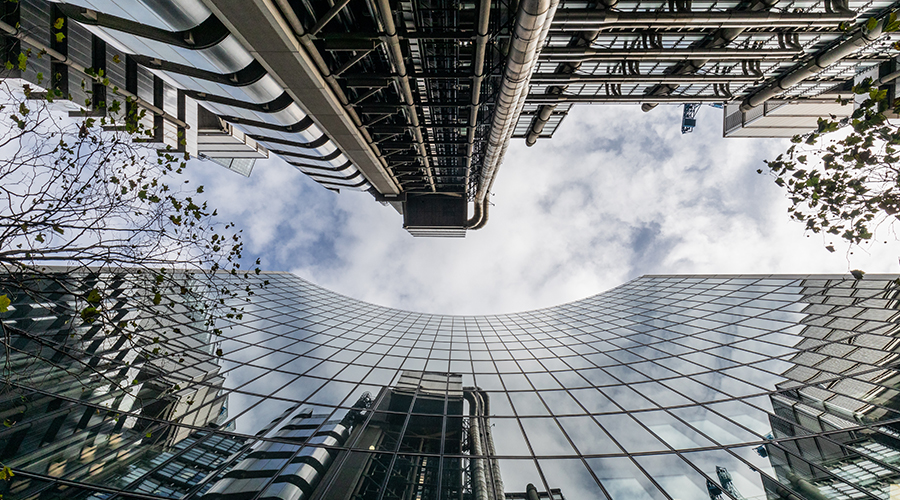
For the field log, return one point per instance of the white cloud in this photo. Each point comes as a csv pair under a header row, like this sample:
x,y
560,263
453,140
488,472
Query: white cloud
x,y
616,194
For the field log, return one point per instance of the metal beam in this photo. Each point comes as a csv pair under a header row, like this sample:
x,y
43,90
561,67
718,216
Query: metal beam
x,y
262,29
333,11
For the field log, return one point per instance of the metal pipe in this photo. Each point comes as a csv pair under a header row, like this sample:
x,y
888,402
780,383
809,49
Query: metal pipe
x,y
821,61
300,35
532,25
720,38
396,56
584,39
476,411
608,99
333,11
484,12
886,79
565,54
59,57
567,79
582,19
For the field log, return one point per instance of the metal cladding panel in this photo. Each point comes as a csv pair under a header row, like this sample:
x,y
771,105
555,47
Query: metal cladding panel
x,y
813,109
769,132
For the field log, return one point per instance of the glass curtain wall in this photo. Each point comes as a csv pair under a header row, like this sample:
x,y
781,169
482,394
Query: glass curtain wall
x,y
667,387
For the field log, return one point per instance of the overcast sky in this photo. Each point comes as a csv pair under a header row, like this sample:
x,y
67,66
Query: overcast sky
x,y
616,194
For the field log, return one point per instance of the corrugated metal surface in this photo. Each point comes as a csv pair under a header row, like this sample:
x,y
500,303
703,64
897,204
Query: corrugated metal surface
x,y
35,20
79,46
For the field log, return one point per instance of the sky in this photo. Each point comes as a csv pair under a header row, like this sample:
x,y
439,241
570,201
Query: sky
x,y
616,194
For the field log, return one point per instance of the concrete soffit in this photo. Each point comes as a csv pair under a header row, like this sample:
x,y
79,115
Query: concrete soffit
x,y
261,29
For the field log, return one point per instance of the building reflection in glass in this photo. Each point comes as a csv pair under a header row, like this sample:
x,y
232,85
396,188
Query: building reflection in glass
x,y
668,387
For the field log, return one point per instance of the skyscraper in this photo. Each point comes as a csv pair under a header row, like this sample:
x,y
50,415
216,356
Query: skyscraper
x,y
416,102
667,387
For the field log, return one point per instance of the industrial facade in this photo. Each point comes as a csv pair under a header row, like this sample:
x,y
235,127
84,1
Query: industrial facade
x,y
416,102
667,387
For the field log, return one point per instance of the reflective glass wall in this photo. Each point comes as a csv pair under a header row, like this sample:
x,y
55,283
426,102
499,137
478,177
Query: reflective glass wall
x,y
667,387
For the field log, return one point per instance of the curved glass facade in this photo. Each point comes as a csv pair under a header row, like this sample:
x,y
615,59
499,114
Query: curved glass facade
x,y
667,387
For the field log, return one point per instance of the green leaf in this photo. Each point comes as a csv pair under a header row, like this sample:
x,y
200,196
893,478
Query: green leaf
x,y
89,314
871,23
60,36
219,353
23,61
59,23
157,299
4,303
857,274
93,297
6,473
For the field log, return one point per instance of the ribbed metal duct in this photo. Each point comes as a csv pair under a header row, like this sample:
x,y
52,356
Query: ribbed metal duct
x,y
484,13
532,25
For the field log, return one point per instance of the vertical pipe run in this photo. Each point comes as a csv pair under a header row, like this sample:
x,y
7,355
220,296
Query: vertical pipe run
x,y
546,111
532,24
396,55
484,13
291,17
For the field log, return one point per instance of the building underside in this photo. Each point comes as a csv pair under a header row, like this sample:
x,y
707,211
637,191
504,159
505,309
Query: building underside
x,y
417,101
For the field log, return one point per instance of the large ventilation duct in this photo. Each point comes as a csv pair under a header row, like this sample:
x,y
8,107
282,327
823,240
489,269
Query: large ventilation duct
x,y
532,24
484,13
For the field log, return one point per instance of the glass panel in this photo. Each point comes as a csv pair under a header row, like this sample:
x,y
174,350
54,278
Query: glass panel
x,y
622,480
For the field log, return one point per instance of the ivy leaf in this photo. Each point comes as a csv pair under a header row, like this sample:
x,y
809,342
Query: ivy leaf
x,y
93,297
857,274
89,314
157,298
4,303
6,473
59,23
